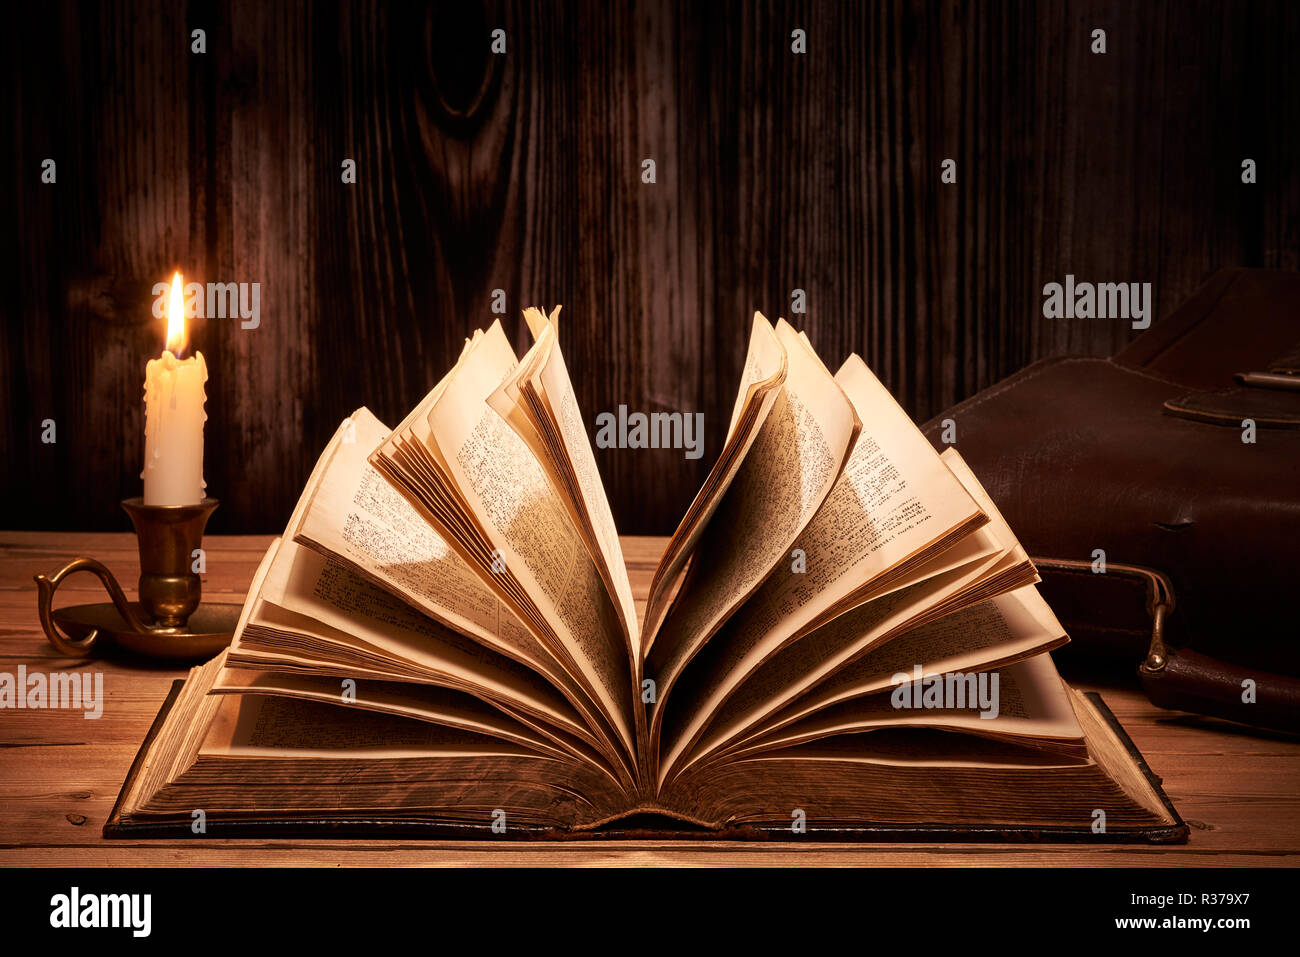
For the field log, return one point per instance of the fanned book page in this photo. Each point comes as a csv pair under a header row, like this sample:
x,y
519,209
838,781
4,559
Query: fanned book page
x,y
842,633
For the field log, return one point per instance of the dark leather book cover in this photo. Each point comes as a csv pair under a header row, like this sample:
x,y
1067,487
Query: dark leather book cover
x,y
645,827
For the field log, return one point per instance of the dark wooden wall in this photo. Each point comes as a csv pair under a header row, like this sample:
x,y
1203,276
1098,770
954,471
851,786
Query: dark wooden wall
x,y
522,172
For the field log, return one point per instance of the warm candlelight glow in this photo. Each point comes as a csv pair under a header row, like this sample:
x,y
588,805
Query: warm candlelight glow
x,y
176,317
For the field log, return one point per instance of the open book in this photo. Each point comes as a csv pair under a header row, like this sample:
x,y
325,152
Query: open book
x,y
842,636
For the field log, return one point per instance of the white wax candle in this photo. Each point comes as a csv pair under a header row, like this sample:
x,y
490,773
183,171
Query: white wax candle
x,y
173,430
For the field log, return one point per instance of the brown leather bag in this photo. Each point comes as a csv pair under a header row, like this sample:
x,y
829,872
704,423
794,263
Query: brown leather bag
x,y
1144,456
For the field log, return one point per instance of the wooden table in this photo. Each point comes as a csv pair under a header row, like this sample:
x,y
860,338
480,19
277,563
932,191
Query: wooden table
x,y
60,773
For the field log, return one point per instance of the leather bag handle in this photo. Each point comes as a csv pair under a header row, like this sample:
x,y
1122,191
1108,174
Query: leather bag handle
x,y
1181,679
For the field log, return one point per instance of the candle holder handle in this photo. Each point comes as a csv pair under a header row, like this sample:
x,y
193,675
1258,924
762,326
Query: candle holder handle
x,y
46,585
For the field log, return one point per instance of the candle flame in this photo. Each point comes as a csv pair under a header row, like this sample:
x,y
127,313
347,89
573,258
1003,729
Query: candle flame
x,y
176,338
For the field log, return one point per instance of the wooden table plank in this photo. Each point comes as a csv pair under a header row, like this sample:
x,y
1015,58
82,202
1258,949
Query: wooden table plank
x,y
60,772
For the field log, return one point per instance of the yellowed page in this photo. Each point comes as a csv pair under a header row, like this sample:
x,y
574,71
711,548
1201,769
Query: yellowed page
x,y
351,513
507,491
557,393
764,372
254,591
508,402
397,694
281,640
421,702
542,388
765,364
800,451
274,726
1029,700
999,630
801,665
991,551
301,581
894,501
957,465
416,465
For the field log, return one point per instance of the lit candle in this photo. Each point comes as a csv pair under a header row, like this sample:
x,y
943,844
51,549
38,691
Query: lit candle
x,y
174,416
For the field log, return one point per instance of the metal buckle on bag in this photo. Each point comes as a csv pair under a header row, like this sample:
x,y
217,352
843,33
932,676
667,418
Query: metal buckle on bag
x,y
1160,601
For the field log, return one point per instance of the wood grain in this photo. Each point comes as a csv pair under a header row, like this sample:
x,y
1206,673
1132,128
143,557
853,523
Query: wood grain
x,y
60,774
521,172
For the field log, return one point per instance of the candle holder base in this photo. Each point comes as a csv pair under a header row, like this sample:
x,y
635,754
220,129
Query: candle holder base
x,y
82,627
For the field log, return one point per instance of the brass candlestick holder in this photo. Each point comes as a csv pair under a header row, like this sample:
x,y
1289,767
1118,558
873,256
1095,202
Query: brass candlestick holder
x,y
168,621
